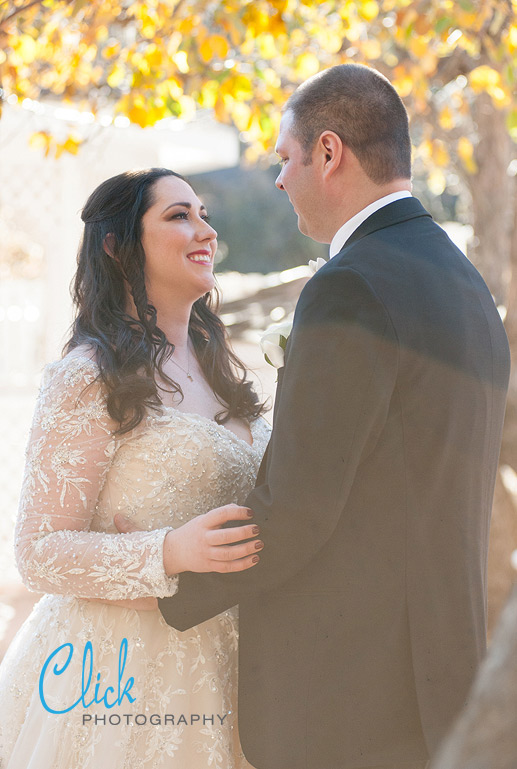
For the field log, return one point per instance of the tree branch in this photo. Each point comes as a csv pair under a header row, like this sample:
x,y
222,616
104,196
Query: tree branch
x,y
19,10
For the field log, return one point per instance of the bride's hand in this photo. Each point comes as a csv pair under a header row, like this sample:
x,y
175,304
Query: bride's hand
x,y
202,545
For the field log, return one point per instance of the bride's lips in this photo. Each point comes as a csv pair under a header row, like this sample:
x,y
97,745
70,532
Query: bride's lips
x,y
200,257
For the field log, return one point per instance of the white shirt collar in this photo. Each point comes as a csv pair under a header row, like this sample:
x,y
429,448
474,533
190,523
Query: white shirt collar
x,y
344,232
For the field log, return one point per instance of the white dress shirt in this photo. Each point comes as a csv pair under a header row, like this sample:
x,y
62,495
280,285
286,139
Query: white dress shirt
x,y
344,232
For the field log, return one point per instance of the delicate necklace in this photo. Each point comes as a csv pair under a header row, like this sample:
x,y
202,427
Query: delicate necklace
x,y
187,371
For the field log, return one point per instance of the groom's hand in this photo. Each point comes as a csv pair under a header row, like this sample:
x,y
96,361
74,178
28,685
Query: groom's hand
x,y
205,544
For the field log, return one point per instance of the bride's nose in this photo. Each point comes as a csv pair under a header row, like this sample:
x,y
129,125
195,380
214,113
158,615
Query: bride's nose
x,y
206,232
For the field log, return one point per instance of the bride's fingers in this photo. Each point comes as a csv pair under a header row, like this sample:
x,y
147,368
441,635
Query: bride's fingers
x,y
235,552
231,512
228,536
239,565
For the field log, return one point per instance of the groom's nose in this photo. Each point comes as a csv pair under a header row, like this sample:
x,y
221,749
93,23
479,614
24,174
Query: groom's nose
x,y
278,182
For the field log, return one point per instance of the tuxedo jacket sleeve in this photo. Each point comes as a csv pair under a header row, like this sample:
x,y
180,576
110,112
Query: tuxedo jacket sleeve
x,y
332,402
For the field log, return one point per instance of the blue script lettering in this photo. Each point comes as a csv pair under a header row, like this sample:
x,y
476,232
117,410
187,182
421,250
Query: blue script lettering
x,y
86,678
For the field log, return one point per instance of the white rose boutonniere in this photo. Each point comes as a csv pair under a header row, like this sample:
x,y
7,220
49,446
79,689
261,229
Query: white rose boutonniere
x,y
318,264
274,339
273,342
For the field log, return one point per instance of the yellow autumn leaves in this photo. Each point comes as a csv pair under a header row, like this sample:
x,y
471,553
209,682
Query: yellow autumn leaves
x,y
214,46
51,146
150,59
488,79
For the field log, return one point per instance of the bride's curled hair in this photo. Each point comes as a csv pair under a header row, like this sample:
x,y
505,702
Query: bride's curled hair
x,y
130,351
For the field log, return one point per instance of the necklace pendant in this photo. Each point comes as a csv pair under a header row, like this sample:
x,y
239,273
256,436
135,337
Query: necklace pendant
x,y
189,377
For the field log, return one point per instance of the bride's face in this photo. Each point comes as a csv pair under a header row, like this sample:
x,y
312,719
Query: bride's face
x,y
178,242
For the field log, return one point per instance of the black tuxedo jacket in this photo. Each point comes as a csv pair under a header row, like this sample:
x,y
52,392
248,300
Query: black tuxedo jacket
x,y
363,624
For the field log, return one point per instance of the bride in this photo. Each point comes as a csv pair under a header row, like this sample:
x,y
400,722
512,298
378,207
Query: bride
x,y
145,416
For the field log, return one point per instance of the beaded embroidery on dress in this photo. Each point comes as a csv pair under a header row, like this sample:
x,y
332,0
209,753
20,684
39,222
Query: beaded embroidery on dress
x,y
170,468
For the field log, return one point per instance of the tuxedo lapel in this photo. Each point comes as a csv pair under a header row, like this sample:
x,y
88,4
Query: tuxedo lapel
x,y
394,213
278,389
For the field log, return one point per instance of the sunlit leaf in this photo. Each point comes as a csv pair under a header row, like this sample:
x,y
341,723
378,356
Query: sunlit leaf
x,y
484,78
466,154
511,122
214,46
418,46
423,24
368,10
330,40
267,46
371,49
27,48
306,65
181,61
436,181
111,50
41,140
116,76
442,24
512,37
71,145
402,81
445,118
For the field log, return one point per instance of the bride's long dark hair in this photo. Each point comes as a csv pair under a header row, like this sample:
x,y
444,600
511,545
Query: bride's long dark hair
x,y
129,351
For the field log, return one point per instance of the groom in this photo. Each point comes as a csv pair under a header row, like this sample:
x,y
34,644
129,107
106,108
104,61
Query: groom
x,y
363,625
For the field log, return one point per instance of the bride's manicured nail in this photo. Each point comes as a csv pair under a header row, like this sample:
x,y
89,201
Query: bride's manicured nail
x,y
249,512
255,530
259,545
255,559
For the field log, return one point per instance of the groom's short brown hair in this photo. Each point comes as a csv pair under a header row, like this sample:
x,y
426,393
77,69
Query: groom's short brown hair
x,y
361,106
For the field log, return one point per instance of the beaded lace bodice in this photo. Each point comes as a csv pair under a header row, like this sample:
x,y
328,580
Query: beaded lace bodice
x,y
170,468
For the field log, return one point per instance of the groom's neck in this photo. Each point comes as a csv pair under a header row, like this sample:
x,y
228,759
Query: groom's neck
x,y
352,199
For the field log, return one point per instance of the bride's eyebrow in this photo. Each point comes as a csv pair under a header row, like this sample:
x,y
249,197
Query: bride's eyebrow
x,y
185,205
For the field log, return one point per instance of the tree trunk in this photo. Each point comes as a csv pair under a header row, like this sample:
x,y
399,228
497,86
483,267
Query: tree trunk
x,y
494,252
509,447
502,542
485,735
490,190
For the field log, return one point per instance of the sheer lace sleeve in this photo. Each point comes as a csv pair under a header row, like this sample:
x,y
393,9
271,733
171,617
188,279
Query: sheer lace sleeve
x,y
70,451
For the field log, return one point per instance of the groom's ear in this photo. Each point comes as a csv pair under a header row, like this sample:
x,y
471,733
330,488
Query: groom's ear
x,y
330,149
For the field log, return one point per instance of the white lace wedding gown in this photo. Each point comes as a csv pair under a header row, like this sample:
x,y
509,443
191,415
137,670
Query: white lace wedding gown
x,y
170,468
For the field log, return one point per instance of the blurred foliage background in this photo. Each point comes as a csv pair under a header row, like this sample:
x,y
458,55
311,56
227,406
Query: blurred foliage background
x,y
453,63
